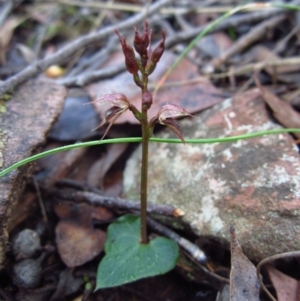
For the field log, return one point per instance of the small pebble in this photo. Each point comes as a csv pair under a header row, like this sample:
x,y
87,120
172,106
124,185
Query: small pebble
x,y
25,244
27,273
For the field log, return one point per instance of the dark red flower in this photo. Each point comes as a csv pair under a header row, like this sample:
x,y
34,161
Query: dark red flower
x,y
119,104
167,115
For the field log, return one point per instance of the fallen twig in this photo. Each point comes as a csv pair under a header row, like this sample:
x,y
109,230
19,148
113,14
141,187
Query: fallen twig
x,y
112,202
88,77
189,247
78,185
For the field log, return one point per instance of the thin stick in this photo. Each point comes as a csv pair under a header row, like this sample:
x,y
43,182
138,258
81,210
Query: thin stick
x,y
112,202
78,186
41,203
189,247
88,77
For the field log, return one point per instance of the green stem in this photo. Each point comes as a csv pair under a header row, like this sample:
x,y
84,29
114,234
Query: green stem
x,y
144,176
144,163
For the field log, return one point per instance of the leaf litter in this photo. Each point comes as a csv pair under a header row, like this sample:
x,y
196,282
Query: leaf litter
x,y
77,226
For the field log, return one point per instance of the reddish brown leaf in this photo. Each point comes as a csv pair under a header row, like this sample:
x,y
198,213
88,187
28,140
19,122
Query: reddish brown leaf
x,y
78,244
76,239
286,287
282,110
244,284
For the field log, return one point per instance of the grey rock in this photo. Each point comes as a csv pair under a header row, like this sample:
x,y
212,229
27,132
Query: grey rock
x,y
252,184
25,244
27,273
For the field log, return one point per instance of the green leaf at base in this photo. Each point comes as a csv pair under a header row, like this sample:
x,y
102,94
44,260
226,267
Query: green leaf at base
x,y
127,260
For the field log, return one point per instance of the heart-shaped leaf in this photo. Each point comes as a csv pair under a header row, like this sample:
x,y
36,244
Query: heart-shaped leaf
x,y
127,260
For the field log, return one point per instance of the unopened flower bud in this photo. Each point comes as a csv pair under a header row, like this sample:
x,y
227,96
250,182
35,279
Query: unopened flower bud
x,y
156,54
130,60
159,50
141,44
167,115
147,100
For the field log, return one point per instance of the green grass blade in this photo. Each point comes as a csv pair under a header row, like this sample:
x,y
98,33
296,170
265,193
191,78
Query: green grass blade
x,y
139,139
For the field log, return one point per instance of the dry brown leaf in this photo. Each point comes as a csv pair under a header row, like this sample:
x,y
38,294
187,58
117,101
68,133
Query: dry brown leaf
x,y
244,284
99,169
66,165
77,240
286,287
282,110
78,244
113,184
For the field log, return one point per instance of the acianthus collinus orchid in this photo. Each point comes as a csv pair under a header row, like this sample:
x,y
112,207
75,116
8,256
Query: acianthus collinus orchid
x,y
141,68
161,253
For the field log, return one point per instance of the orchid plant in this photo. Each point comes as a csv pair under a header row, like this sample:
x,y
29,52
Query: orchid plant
x,y
160,254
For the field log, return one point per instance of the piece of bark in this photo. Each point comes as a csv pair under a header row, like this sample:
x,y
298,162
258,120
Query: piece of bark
x,y
25,120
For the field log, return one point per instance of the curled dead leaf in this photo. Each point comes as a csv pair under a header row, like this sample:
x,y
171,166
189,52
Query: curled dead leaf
x,y
244,284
